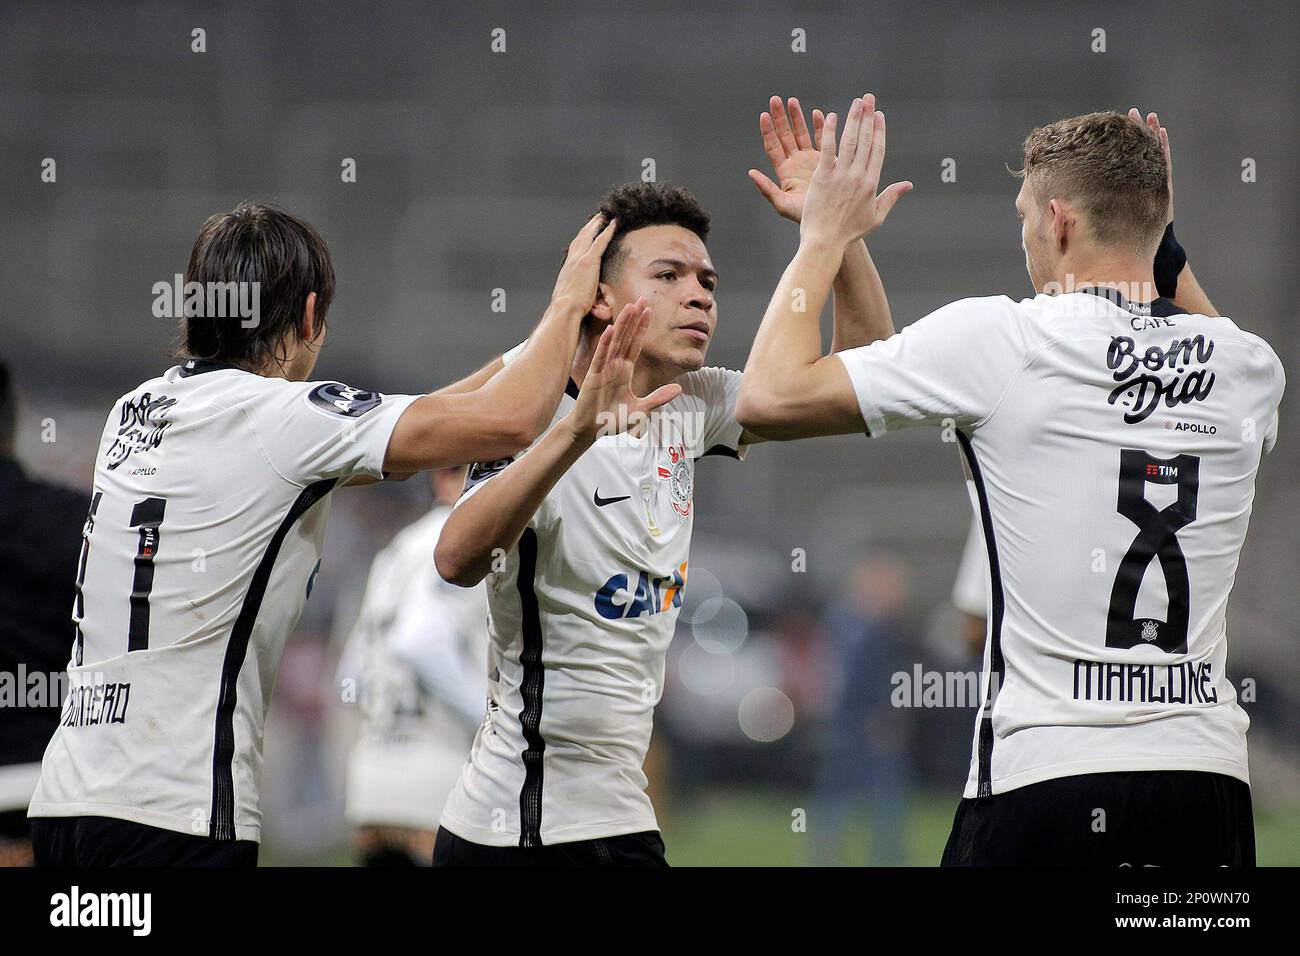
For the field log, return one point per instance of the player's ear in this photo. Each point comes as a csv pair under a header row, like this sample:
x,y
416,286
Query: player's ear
x,y
603,308
307,327
1062,223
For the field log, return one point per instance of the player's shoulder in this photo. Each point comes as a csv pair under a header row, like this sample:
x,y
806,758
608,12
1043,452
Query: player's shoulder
x,y
989,309
984,324
708,383
1250,340
1264,359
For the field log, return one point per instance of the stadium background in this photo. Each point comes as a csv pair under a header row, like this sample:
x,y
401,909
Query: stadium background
x,y
473,170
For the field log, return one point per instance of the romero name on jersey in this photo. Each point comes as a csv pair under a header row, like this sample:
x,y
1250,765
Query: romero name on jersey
x,y
203,537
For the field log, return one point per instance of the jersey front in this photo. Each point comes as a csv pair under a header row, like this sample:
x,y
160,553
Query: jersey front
x,y
1111,451
203,537
581,613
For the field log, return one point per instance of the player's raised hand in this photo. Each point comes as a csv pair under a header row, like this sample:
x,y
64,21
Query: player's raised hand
x,y
1153,121
793,154
580,274
606,403
843,202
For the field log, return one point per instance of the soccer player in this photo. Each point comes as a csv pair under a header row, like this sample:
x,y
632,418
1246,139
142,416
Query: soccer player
x,y
206,527
584,541
417,655
1111,439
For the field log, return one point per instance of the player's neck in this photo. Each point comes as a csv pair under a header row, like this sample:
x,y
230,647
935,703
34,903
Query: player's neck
x,y
1131,275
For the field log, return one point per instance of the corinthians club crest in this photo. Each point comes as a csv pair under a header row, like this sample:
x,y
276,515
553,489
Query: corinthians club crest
x,y
1149,630
678,475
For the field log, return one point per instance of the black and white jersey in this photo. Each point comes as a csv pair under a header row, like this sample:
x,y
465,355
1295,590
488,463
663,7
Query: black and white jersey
x,y
580,616
1111,452
202,540
417,657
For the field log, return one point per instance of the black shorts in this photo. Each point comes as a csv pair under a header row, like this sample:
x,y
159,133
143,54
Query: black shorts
x,y
104,841
628,849
1139,818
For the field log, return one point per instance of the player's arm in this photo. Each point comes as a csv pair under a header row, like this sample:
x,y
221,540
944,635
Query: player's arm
x,y
1174,278
497,512
860,307
513,405
790,389
475,380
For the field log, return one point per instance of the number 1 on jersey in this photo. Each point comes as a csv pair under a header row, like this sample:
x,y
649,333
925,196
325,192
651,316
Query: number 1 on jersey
x,y
147,515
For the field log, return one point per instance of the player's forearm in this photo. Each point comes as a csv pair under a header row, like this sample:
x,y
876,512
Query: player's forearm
x,y
789,338
475,380
491,521
533,383
861,309
1190,297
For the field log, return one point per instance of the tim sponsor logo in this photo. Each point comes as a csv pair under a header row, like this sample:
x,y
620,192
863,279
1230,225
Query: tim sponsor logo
x,y
75,908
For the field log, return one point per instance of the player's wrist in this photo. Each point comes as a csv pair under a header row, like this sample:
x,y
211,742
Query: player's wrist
x,y
578,431
567,307
821,248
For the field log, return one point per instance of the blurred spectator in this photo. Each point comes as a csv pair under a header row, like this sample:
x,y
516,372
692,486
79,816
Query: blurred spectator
x,y
970,591
866,741
416,662
40,537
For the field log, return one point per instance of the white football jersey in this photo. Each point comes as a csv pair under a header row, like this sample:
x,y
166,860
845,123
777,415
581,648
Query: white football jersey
x,y
1111,452
580,616
203,537
417,656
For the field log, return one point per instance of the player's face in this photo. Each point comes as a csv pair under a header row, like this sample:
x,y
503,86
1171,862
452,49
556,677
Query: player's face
x,y
1033,237
670,267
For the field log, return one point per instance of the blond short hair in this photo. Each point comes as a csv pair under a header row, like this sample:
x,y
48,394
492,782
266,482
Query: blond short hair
x,y
1112,166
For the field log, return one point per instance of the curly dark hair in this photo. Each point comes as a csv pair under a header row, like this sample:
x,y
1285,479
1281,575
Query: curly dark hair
x,y
637,205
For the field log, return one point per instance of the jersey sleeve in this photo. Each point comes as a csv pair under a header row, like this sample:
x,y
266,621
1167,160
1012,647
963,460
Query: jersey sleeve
x,y
482,472
710,398
954,363
316,430
1270,433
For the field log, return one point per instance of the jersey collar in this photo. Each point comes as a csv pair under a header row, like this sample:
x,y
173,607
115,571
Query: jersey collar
x,y
197,366
1160,307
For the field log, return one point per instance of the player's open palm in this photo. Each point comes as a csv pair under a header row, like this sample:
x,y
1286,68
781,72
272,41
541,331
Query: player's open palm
x,y
793,154
580,274
606,403
843,202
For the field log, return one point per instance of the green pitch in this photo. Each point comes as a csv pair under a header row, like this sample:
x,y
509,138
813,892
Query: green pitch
x,y
756,829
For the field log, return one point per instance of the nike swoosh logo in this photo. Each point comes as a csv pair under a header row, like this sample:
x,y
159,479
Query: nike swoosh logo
x,y
601,502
